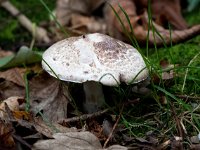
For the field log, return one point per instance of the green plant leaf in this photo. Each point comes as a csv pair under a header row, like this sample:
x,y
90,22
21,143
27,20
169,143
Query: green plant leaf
x,y
24,56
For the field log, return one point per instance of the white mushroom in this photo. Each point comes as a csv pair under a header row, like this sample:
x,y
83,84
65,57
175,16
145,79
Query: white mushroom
x,y
93,59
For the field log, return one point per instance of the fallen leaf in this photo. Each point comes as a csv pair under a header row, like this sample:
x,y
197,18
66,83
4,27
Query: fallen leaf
x,y
65,8
23,57
15,75
49,96
69,141
168,11
13,104
8,88
138,16
116,147
6,139
85,24
24,115
48,129
73,141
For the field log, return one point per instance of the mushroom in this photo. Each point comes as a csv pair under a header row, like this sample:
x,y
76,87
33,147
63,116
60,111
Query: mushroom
x,y
94,59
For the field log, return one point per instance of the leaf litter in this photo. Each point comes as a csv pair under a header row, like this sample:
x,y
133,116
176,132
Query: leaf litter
x,y
50,99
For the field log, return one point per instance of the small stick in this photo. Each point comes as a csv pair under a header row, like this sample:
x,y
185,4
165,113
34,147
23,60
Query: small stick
x,y
40,33
89,116
83,117
188,97
21,140
115,125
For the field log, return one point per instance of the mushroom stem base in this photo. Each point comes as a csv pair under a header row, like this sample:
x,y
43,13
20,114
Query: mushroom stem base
x,y
94,97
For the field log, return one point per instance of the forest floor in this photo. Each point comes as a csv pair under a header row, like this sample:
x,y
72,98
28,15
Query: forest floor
x,y
167,116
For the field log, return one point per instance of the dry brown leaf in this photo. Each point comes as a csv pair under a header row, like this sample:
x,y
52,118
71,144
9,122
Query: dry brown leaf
x,y
116,147
13,83
162,12
15,75
49,130
168,11
73,141
46,94
23,115
84,24
65,9
6,139
49,96
13,104
113,22
139,23
69,141
8,89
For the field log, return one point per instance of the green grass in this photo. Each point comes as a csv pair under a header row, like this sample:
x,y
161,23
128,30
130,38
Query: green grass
x,y
140,118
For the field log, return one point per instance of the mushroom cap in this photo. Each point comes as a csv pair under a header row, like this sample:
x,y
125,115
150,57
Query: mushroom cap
x,y
95,57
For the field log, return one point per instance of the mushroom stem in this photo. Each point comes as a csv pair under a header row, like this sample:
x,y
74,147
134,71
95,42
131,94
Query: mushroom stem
x,y
94,97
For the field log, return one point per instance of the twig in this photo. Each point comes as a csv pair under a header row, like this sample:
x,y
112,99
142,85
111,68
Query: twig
x,y
22,141
40,33
143,146
83,117
115,125
188,97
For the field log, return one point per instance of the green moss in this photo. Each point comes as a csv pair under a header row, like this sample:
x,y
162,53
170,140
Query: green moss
x,y
177,53
182,54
